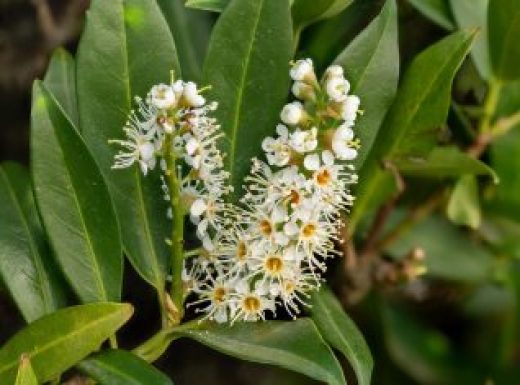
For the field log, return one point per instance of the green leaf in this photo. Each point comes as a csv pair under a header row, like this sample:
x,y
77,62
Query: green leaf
x,y
504,29
471,14
371,63
342,333
57,341
325,39
73,199
26,266
506,162
125,49
119,367
191,31
304,12
449,253
424,353
419,109
463,206
437,11
307,12
442,162
208,5
60,80
247,66
25,374
295,345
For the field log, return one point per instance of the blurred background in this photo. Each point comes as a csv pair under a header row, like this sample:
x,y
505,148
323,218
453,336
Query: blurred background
x,y
459,326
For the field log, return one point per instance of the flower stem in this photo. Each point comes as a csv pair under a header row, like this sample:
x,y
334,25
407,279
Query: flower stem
x,y
177,245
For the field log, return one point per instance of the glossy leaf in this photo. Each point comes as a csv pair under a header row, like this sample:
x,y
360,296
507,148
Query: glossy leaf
x,y
295,345
504,29
119,367
424,353
190,30
306,12
125,49
444,162
463,206
60,80
247,66
420,108
25,374
437,11
74,203
471,14
341,333
208,5
57,341
371,63
26,266
449,253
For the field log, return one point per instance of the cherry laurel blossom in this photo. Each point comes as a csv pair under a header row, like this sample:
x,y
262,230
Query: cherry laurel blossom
x,y
270,250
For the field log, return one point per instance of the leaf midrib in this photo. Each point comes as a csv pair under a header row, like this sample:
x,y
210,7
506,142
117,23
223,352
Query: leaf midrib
x,y
48,346
345,343
382,36
266,352
100,285
48,303
142,208
413,113
240,96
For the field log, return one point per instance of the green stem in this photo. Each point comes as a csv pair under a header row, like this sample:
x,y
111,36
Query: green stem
x,y
113,341
155,347
177,246
194,252
490,106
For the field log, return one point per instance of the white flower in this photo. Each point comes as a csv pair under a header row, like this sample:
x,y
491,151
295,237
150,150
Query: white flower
x,y
334,71
349,109
215,294
292,113
342,144
304,141
191,95
162,97
277,150
303,91
140,148
250,305
337,88
302,70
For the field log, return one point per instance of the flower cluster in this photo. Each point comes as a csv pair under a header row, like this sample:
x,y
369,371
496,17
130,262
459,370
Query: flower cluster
x,y
173,123
270,249
274,251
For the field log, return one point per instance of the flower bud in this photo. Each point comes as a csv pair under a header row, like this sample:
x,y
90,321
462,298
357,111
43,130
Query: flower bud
x,y
303,91
292,113
334,71
303,71
349,108
191,95
342,144
337,88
